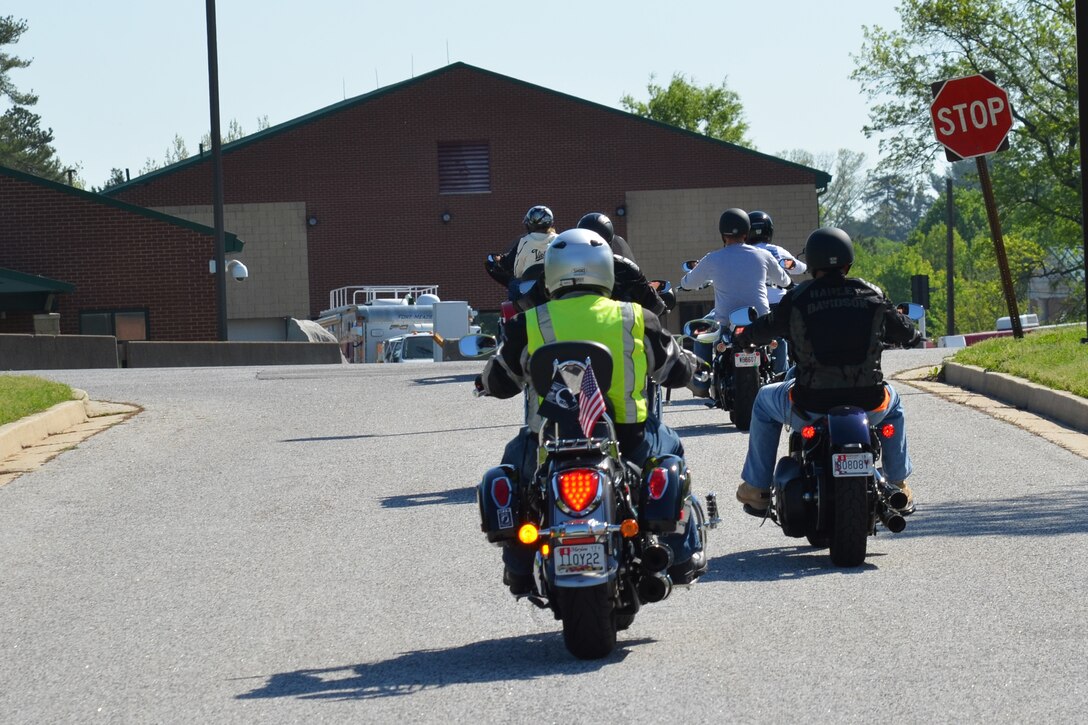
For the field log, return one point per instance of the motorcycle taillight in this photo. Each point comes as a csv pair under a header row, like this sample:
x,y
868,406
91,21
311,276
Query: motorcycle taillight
x,y
579,489
508,311
659,481
500,491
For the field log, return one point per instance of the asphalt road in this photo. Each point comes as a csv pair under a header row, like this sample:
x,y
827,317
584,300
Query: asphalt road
x,y
300,544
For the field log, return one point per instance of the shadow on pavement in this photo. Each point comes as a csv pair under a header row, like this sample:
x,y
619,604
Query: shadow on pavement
x,y
703,429
1043,514
776,564
443,379
462,494
496,660
363,436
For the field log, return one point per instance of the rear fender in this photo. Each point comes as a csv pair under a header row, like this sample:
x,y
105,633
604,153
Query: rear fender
x,y
848,426
604,511
660,506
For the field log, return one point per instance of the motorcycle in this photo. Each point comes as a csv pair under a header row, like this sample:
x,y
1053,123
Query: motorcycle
x,y
830,487
594,521
737,373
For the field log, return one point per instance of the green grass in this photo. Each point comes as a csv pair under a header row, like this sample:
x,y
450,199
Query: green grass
x,y
1054,358
23,395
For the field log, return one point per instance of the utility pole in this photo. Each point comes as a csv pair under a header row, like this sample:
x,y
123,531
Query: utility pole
x,y
217,176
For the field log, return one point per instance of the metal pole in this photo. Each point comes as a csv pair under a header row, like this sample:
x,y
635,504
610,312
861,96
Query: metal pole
x,y
217,177
949,266
999,245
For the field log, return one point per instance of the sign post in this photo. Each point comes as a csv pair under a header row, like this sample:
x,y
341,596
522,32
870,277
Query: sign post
x,y
972,118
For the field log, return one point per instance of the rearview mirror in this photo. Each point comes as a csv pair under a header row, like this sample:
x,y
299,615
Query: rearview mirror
x,y
475,346
912,310
742,316
689,265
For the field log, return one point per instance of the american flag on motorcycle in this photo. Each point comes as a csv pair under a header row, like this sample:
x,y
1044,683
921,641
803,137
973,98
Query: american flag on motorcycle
x,y
590,402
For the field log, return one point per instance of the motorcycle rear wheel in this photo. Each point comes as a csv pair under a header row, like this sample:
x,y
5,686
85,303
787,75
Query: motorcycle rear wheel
x,y
589,623
745,388
850,531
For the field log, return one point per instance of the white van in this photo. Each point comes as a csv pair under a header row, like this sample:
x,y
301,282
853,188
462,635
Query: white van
x,y
413,347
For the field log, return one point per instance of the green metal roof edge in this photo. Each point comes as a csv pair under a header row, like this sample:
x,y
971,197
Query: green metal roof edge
x,y
234,244
821,176
54,284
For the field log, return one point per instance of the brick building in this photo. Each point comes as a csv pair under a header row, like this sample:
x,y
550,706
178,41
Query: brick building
x,y
107,267
414,183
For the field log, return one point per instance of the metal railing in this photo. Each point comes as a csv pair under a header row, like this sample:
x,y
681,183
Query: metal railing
x,y
366,294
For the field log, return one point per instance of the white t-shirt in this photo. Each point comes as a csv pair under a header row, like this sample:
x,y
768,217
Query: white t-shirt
x,y
531,251
739,273
774,294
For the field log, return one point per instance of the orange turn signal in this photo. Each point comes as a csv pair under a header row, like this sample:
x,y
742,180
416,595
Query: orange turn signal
x,y
528,534
629,528
808,432
545,550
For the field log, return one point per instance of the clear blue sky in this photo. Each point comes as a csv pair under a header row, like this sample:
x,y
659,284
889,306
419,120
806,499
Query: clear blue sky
x,y
117,79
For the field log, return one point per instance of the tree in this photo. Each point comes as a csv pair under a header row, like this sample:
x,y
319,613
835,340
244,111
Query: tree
x,y
24,144
714,111
843,202
1031,46
178,151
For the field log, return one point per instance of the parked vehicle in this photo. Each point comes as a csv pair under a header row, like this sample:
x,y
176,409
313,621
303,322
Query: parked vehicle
x,y
593,519
830,488
413,347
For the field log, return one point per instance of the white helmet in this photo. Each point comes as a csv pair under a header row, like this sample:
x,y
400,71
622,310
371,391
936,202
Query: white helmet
x,y
579,259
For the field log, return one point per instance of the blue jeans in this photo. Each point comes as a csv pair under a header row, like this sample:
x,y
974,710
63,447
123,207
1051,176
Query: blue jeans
x,y
772,410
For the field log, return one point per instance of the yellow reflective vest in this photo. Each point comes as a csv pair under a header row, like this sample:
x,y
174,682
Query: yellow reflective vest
x,y
619,326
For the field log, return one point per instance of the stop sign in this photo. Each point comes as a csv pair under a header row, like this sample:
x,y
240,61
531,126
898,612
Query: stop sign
x,y
971,115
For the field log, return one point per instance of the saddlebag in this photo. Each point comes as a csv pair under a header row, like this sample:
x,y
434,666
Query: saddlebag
x,y
499,501
666,485
796,515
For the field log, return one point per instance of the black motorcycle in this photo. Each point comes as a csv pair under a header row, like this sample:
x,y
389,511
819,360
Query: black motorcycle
x,y
594,520
830,488
737,372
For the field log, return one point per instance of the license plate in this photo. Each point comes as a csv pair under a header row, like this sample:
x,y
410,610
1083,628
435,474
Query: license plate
x,y
851,464
746,359
580,559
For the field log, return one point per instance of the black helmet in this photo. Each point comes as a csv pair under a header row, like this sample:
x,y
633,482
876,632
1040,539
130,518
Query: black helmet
x,y
734,222
762,227
539,219
828,248
598,222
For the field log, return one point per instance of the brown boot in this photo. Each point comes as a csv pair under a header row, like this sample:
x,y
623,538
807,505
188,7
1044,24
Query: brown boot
x,y
757,499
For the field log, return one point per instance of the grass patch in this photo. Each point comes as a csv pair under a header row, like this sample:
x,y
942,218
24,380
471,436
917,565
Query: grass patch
x,y
1054,358
23,395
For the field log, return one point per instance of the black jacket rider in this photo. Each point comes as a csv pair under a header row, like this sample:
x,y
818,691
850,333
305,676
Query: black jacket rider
x,y
836,327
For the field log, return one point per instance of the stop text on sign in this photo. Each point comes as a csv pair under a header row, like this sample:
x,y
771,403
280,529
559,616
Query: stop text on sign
x,y
980,114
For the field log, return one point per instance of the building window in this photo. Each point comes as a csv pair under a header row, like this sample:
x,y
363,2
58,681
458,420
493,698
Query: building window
x,y
464,168
122,324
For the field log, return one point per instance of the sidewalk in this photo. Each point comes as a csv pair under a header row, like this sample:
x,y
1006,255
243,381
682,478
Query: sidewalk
x,y
27,444
1057,416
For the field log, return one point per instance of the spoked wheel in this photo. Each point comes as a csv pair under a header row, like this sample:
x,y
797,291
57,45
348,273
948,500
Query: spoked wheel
x,y
745,387
589,623
850,531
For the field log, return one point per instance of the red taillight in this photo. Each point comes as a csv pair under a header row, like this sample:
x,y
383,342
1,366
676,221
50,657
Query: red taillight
x,y
508,310
738,330
808,432
578,488
500,492
659,481
887,430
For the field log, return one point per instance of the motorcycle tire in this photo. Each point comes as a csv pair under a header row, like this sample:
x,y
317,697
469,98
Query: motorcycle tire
x,y
850,530
819,542
589,623
745,387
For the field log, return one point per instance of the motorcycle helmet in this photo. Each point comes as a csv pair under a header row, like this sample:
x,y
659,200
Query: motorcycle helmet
x,y
762,227
579,259
539,219
828,248
598,222
734,223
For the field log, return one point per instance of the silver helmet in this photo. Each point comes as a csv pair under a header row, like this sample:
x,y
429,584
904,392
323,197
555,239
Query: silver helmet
x,y
579,259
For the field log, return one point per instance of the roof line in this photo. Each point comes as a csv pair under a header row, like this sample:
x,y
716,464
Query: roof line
x,y
234,244
54,284
822,177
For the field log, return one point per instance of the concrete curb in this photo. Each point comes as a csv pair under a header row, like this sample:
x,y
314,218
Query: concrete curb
x,y
1062,407
20,434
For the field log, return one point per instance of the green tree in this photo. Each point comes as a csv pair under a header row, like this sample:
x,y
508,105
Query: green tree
x,y
714,111
1031,46
24,144
843,201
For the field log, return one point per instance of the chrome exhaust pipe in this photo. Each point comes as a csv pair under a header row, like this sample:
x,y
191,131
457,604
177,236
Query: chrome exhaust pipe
x,y
655,555
892,519
654,587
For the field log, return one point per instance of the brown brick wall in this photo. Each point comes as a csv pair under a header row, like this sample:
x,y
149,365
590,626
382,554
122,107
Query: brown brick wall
x,y
115,258
369,173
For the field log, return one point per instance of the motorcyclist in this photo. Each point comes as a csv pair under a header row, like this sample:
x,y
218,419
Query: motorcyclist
x,y
760,236
527,251
738,272
598,222
837,326
579,275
